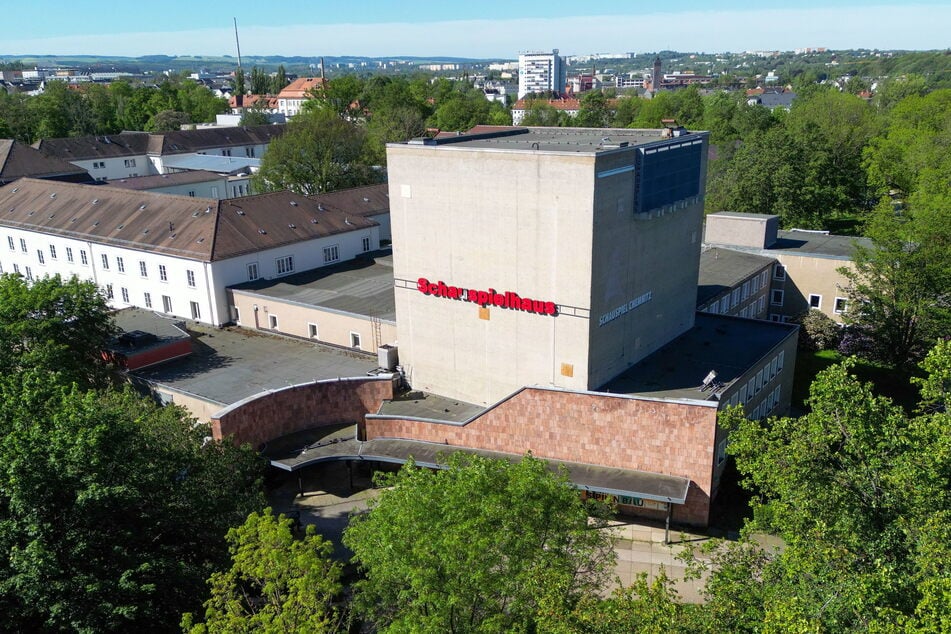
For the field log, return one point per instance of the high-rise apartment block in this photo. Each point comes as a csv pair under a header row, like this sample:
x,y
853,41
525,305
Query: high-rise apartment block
x,y
541,72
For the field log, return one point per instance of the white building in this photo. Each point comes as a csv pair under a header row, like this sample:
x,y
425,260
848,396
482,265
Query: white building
x,y
172,254
132,154
291,99
541,72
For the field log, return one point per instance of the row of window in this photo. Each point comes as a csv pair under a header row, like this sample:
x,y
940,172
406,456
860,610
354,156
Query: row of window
x,y
757,382
147,299
777,297
273,323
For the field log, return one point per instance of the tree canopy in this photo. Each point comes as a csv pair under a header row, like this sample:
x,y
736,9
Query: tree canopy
x,y
481,546
319,152
276,583
112,509
55,326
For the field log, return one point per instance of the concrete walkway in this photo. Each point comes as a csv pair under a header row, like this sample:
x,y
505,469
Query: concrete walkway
x,y
328,504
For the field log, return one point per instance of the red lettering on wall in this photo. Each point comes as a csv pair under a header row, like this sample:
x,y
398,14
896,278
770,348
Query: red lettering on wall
x,y
489,297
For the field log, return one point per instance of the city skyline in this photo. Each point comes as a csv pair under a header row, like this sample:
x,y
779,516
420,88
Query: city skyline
x,y
491,30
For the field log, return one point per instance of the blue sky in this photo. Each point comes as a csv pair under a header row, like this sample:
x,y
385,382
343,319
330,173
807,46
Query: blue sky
x,y
483,28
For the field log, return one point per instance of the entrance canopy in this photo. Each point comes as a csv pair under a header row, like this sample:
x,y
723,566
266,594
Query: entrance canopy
x,y
326,444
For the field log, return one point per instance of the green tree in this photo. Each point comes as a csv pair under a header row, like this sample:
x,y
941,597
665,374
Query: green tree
x,y
255,115
113,510
276,583
593,111
55,326
278,81
239,82
260,82
540,113
319,152
167,121
857,490
898,287
482,546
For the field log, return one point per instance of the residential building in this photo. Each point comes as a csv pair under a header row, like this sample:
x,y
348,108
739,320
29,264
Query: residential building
x,y
806,274
292,97
169,253
18,160
540,72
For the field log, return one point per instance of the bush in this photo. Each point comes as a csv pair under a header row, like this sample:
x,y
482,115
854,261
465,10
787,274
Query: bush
x,y
818,331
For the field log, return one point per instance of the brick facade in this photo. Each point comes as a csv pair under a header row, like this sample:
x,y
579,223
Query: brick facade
x,y
665,437
277,413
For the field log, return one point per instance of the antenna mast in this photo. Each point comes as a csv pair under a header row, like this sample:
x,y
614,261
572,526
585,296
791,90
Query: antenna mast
x,y
236,41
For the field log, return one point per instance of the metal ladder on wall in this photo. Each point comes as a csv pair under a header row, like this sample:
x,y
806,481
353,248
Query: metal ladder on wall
x,y
377,332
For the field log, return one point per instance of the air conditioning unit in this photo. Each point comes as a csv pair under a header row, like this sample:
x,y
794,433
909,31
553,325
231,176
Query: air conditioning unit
x,y
387,357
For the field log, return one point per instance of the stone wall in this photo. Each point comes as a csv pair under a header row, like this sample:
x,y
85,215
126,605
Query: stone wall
x,y
272,414
648,435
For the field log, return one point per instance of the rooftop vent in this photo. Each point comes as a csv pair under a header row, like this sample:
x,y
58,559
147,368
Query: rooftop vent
x,y
240,212
16,189
30,213
200,240
120,227
142,207
262,232
95,201
145,232
52,216
293,203
53,195
365,199
313,221
95,224
292,226
320,207
207,210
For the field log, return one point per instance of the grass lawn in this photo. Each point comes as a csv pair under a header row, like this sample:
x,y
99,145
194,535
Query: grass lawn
x,y
888,382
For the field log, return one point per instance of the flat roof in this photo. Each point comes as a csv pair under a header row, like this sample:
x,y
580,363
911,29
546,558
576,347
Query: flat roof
x,y
326,444
428,406
165,180
231,364
211,163
573,140
729,345
721,269
798,241
363,286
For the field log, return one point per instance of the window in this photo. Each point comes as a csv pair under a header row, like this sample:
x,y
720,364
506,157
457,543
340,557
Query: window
x,y
105,261
815,301
69,254
759,380
736,297
721,451
762,279
16,268
366,243
754,286
162,273
125,294
761,304
253,271
120,264
750,389
29,274
725,304
226,152
98,165
743,398
148,300
779,272
196,311
214,191
285,265
775,317
130,162
773,366
331,253
779,366
109,294
40,257
312,331
192,193
249,152
272,321
746,290
143,269
83,258
10,242
190,275
355,340
52,252
714,308
841,303
22,245
166,303
776,297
